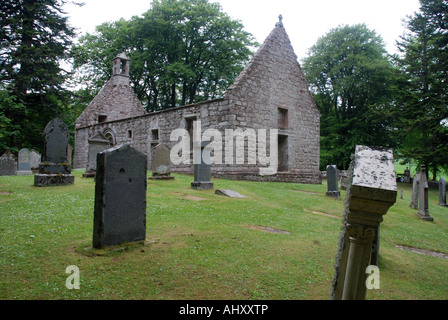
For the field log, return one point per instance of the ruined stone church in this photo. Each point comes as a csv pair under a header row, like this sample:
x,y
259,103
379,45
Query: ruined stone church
x,y
270,93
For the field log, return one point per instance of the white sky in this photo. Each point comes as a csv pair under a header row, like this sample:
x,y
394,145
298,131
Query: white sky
x,y
304,21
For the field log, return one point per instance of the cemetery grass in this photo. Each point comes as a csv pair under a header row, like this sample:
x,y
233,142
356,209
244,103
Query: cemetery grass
x,y
200,245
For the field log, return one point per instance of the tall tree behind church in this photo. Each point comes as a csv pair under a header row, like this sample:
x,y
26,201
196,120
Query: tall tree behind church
x,y
34,39
181,51
350,74
421,111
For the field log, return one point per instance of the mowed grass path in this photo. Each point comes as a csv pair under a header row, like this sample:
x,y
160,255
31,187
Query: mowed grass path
x,y
200,245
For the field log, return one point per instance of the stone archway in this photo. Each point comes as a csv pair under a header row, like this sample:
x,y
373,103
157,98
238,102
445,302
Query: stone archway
x,y
110,134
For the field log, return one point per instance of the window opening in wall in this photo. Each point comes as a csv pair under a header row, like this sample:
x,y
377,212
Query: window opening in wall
x,y
283,160
102,118
155,134
129,134
189,127
282,118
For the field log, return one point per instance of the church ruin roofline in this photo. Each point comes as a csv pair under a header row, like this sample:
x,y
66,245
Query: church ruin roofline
x,y
149,114
258,55
277,37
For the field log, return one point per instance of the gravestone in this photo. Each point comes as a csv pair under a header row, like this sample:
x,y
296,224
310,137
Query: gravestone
x,y
423,188
229,193
407,176
332,182
36,158
54,169
98,143
202,174
373,190
161,166
24,162
442,192
8,164
415,190
120,197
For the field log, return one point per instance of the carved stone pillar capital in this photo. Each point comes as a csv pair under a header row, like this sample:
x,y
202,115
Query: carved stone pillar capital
x,y
360,233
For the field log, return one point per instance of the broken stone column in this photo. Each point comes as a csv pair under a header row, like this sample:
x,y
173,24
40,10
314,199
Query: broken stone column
x,y
372,192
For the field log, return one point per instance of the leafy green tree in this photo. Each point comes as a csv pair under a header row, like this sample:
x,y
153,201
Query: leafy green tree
x,y
350,74
181,51
421,111
35,38
9,130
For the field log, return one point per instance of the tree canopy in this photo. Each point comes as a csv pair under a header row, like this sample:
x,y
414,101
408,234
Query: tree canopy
x,y
351,77
421,109
34,39
181,51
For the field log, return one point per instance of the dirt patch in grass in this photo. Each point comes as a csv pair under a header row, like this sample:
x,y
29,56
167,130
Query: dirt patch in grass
x,y
268,229
5,192
88,250
188,196
322,214
307,192
423,251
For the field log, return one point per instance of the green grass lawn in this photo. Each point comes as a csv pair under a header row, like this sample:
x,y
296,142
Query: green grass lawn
x,y
204,246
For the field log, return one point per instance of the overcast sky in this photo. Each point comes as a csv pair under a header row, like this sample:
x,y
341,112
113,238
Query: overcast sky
x,y
304,21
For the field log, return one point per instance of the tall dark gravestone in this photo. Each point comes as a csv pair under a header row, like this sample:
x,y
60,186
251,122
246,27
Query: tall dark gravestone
x,y
332,182
202,174
442,192
54,169
120,197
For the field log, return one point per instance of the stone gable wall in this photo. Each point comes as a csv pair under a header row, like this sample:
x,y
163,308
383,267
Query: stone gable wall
x,y
115,100
273,79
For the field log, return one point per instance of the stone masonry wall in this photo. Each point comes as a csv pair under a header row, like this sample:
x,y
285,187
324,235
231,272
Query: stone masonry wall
x,y
272,80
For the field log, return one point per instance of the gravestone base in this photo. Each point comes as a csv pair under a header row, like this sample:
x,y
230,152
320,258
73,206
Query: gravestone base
x,y
202,185
89,174
161,177
49,180
24,173
334,194
440,204
54,168
425,217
